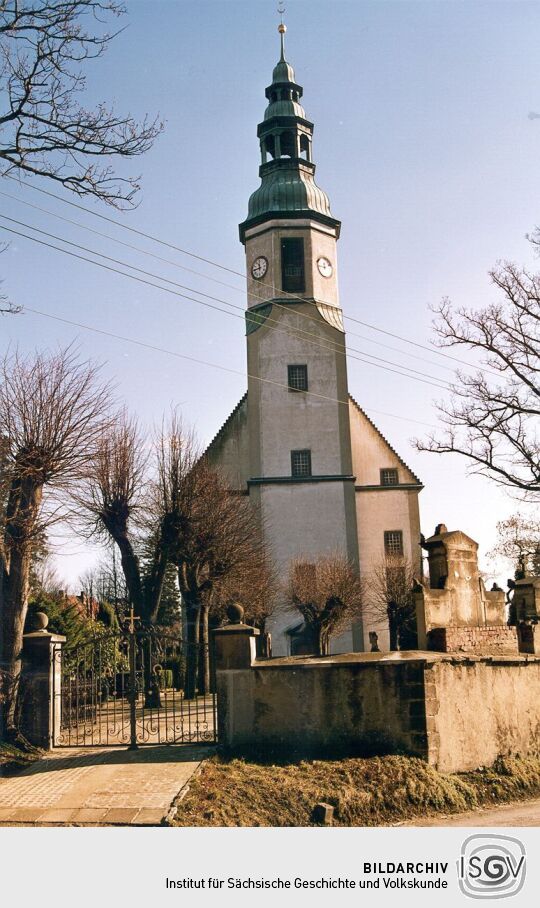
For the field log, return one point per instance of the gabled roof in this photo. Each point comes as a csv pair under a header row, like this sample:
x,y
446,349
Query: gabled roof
x,y
383,437
226,424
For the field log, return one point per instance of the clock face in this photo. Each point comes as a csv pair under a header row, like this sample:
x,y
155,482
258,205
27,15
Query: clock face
x,y
259,267
325,266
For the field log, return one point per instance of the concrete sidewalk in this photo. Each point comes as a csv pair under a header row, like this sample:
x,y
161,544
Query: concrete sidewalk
x,y
100,786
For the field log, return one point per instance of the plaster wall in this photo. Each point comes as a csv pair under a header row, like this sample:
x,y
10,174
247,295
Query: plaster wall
x,y
293,528
304,706
479,709
266,240
283,420
371,452
458,713
229,451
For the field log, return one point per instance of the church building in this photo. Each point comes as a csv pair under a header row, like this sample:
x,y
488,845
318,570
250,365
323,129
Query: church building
x,y
324,477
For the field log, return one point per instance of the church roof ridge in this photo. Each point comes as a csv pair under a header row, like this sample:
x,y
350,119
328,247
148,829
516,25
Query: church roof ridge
x,y
384,438
220,431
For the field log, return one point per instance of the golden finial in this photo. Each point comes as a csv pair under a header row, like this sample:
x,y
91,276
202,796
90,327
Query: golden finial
x,y
282,28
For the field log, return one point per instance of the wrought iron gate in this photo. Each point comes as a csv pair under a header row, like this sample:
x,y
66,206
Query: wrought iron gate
x,y
129,688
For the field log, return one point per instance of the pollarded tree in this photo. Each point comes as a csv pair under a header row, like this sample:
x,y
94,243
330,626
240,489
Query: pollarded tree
x,y
389,599
52,410
220,542
327,591
45,129
492,418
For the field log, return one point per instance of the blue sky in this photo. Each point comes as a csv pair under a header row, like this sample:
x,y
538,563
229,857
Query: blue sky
x,y
423,141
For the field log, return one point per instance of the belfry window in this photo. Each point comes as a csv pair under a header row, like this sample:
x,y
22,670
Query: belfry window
x,y
301,463
270,146
304,147
292,265
287,144
297,377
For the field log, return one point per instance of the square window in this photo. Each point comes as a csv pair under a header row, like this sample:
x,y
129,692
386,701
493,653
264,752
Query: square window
x,y
292,265
393,542
389,477
297,378
301,463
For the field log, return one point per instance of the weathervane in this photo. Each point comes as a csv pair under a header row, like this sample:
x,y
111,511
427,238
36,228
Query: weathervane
x,y
282,28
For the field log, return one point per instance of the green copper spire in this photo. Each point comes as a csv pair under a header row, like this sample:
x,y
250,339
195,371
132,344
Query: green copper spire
x,y
288,188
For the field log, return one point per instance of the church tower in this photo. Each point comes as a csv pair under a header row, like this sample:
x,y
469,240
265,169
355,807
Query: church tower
x,y
321,474
299,428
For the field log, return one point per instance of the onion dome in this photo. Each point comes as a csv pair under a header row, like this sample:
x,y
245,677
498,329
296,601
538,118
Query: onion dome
x,y
287,171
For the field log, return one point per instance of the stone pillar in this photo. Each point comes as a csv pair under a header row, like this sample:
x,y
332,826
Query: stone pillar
x,y
234,644
42,679
234,650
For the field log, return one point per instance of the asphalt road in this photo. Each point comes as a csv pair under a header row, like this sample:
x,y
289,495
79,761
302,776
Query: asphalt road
x,y
519,813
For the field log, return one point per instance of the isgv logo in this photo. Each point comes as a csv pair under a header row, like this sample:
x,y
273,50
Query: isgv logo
x,y
491,866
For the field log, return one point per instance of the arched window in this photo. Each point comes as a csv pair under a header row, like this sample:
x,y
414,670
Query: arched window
x,y
288,144
304,147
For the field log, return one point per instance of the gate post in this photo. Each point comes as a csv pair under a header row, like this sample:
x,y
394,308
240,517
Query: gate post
x,y
42,695
234,648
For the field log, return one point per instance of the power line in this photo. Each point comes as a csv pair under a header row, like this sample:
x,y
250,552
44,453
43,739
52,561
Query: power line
x,y
159,258
241,274
298,334
208,296
202,362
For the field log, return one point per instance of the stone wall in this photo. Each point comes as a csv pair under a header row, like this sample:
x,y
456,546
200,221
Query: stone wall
x,y
332,705
457,598
481,641
456,712
480,709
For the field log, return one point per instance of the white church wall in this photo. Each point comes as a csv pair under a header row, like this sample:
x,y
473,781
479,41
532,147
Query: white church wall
x,y
293,420
229,450
302,520
377,511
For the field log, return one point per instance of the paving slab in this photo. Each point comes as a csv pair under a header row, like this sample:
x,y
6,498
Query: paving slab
x,y
100,786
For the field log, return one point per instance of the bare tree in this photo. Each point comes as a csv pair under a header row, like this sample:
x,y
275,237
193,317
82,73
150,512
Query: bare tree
x,y
51,409
389,599
492,419
254,584
6,306
44,129
327,591
113,500
519,542
171,497
220,542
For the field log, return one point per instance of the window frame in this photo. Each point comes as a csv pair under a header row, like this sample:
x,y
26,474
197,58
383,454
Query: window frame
x,y
394,472
302,366
290,284
388,550
296,474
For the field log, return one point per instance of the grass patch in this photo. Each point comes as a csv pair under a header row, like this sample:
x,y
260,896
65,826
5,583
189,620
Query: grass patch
x,y
364,791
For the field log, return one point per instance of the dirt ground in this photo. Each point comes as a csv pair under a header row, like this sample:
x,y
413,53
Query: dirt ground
x,y
373,791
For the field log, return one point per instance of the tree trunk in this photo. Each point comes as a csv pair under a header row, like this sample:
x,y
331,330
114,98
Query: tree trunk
x,y
15,608
193,608
204,651
323,640
392,626
22,511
